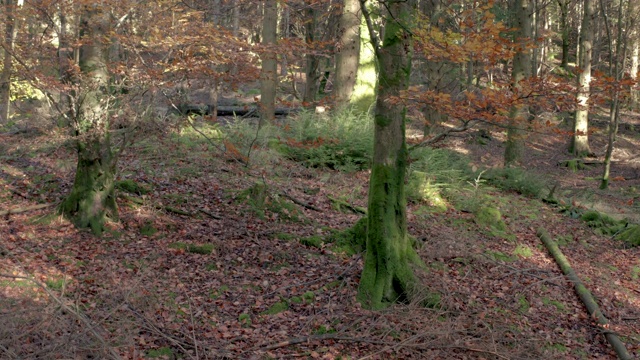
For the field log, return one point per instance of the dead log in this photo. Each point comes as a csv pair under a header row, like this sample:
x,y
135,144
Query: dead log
x,y
223,110
24,209
585,295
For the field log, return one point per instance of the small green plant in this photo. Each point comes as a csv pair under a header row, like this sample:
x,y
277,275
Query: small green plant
x,y
635,272
499,256
296,300
276,308
55,284
523,304
343,141
245,320
523,251
603,223
322,330
518,180
308,297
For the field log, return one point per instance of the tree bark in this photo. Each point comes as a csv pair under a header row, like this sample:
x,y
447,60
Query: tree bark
x,y
387,275
519,113
92,198
312,60
564,28
348,56
584,294
7,64
364,91
579,145
269,73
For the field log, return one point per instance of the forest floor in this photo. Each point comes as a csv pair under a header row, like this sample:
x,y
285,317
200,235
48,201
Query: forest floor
x,y
229,278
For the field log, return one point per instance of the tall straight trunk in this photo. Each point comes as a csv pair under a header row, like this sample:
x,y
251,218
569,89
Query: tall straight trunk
x,y
348,55
387,275
7,64
579,145
312,60
519,113
635,57
269,73
364,91
617,68
564,28
92,198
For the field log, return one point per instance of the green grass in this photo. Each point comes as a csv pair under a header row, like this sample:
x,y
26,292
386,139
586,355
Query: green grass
x,y
276,308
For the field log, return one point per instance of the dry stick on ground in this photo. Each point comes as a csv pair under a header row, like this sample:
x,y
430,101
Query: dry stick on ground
x,y
584,294
25,209
300,202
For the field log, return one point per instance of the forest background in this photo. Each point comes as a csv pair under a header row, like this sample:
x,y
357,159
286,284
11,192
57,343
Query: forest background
x,y
320,179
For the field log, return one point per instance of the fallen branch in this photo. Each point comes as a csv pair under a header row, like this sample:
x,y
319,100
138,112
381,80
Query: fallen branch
x,y
584,294
466,125
160,207
300,202
25,209
210,214
353,208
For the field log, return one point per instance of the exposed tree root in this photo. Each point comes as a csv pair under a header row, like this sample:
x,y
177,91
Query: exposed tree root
x,y
584,294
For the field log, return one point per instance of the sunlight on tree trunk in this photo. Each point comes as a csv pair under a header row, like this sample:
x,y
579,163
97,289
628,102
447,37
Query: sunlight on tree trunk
x,y
269,73
312,60
580,140
364,91
519,113
10,29
387,276
347,57
92,197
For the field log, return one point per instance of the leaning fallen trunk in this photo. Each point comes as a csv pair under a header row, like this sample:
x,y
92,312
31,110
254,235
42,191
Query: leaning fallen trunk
x,y
584,294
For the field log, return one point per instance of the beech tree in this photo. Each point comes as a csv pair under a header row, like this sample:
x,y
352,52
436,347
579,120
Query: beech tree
x,y
348,52
387,275
10,29
92,198
519,112
269,74
579,145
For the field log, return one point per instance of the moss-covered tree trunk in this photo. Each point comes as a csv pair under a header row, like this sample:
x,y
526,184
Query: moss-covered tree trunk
x,y
92,197
579,145
364,91
387,275
519,113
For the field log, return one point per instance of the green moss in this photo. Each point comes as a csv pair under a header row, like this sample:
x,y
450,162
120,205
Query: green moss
x,y
131,187
631,235
276,308
322,329
557,304
296,300
313,241
160,352
603,223
350,241
55,284
635,272
204,249
148,229
500,256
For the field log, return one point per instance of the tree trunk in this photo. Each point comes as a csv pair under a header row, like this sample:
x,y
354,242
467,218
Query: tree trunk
x,y
519,113
387,275
580,140
312,60
564,28
7,66
92,197
364,92
269,74
347,57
